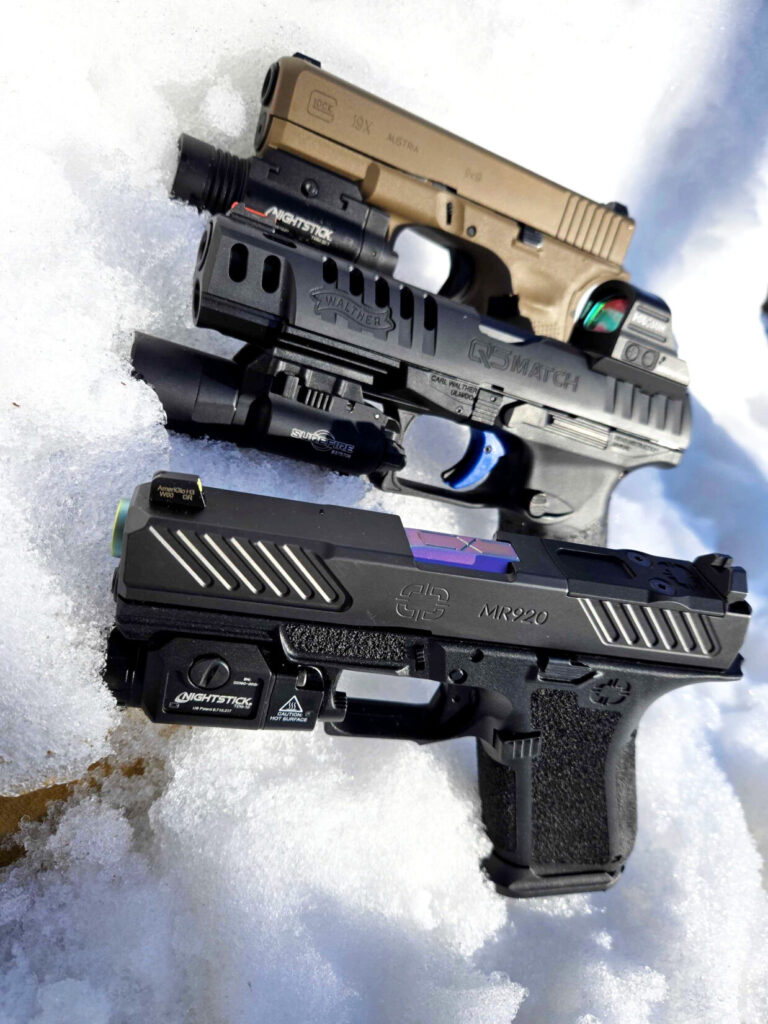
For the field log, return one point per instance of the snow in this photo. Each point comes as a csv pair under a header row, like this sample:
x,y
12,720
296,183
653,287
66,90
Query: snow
x,y
219,876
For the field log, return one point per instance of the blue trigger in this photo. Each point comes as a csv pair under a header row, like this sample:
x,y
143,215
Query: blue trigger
x,y
483,452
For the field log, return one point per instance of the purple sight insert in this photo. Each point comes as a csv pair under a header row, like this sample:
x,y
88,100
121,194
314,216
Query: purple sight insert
x,y
462,552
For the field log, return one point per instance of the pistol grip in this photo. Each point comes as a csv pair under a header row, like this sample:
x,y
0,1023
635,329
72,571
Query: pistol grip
x,y
562,813
566,496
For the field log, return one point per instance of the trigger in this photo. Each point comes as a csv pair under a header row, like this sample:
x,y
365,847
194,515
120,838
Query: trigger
x,y
483,452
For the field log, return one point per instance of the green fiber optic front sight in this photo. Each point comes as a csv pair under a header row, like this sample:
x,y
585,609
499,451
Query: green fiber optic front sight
x,y
118,527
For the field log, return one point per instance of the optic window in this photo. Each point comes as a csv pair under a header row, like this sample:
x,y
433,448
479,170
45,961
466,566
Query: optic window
x,y
606,317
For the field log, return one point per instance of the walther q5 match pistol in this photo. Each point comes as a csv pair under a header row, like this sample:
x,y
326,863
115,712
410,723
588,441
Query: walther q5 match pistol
x,y
341,361
242,611
346,171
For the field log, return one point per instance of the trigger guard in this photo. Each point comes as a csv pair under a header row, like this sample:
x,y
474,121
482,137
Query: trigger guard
x,y
483,452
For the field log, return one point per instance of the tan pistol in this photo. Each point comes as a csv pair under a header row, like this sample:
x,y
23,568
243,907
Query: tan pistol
x,y
520,242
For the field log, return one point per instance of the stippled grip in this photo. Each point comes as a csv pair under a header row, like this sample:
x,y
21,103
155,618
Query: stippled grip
x,y
561,813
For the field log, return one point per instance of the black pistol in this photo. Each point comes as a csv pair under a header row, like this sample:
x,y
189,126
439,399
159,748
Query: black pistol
x,y
242,611
340,361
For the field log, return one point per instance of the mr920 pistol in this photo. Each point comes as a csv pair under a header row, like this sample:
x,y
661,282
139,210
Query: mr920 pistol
x,y
242,611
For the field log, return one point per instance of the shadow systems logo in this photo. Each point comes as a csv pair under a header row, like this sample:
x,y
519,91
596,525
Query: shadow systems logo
x,y
611,691
421,601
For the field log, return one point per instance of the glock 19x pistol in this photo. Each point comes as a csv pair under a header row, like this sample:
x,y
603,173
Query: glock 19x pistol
x,y
346,171
242,611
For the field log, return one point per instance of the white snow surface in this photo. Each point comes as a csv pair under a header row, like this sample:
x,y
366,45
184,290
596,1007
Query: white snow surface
x,y
270,878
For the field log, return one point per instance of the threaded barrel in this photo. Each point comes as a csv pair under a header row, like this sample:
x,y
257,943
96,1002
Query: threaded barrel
x,y
208,178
